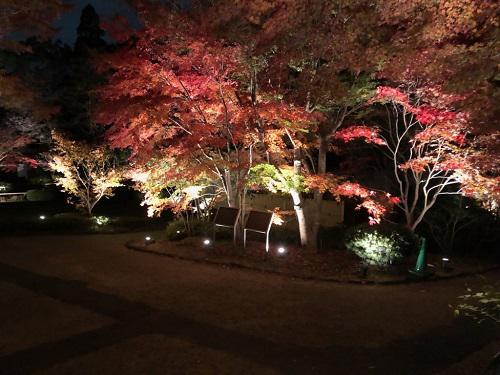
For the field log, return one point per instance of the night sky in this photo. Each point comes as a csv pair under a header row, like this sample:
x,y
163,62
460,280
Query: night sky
x,y
105,8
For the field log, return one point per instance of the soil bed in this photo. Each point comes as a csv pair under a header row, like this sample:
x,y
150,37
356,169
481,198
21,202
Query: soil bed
x,y
337,265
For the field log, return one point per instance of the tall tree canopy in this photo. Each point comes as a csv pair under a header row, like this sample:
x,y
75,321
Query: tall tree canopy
x,y
184,102
330,55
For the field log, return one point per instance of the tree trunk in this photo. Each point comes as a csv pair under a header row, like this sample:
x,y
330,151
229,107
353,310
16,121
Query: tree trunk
x,y
231,194
315,216
298,201
301,219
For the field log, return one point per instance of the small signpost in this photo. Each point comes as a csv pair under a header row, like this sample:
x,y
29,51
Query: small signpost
x,y
259,222
226,217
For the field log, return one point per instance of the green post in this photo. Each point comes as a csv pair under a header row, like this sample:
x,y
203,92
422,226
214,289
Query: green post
x,y
421,265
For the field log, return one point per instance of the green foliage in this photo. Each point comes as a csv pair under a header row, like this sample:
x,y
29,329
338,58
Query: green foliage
x,y
380,245
101,220
276,180
482,305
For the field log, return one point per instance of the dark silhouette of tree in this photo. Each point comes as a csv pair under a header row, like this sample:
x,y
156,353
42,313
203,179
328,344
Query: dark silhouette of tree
x,y
89,33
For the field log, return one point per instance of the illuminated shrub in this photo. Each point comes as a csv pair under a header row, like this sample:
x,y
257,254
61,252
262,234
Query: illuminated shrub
x,y
380,245
101,220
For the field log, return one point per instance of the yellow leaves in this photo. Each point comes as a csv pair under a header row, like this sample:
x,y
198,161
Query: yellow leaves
x,y
87,173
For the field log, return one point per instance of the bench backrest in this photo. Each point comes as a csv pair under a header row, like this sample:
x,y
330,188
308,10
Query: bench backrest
x,y
259,221
226,216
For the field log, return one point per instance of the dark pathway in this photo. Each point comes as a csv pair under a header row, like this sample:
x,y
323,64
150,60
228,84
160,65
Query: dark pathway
x,y
434,347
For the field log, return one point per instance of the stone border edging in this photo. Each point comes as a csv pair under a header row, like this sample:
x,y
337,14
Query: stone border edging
x,y
410,280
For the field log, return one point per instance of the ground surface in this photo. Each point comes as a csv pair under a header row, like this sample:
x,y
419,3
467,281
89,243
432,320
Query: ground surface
x,y
333,265
86,305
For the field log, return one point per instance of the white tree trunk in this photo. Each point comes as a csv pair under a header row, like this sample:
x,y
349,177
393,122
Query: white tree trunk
x,y
301,219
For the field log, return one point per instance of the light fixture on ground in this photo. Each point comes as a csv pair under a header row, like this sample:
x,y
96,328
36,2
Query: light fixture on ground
x,y
207,242
148,240
281,250
42,217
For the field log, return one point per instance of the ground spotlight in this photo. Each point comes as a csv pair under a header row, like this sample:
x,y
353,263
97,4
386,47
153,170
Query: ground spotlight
x,y
148,240
281,250
207,242
42,217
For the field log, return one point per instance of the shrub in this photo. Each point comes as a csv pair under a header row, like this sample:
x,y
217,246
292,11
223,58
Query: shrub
x,y
177,229
331,238
381,245
5,187
39,195
283,234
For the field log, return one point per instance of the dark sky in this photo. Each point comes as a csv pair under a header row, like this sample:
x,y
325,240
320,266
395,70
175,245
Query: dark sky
x,y
105,8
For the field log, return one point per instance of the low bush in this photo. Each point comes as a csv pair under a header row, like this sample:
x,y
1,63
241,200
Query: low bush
x,y
284,235
39,195
381,245
177,229
331,238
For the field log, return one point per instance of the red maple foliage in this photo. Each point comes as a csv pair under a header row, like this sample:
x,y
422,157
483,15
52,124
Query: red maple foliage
x,y
179,96
430,151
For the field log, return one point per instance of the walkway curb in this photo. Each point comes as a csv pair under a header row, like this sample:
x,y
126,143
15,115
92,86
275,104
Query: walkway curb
x,y
410,280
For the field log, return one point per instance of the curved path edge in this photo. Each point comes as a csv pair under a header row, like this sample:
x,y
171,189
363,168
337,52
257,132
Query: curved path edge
x,y
132,245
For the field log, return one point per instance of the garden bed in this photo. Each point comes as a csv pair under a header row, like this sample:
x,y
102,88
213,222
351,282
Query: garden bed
x,y
336,265
74,223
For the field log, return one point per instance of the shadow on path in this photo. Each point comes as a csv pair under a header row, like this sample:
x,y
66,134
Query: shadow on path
x,y
434,350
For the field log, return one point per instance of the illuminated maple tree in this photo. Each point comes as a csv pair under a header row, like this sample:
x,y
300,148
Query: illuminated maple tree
x,y
201,105
18,21
182,103
329,55
313,55
87,173
430,150
17,131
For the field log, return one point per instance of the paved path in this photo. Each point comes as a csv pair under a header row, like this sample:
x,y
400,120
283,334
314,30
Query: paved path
x,y
86,305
